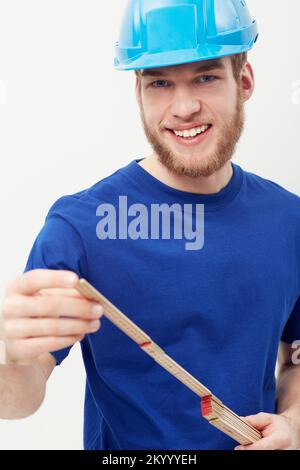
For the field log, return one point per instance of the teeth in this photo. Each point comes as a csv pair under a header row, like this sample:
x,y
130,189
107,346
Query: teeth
x,y
192,132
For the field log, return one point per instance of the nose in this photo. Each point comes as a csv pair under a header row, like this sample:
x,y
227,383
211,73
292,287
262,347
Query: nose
x,y
184,104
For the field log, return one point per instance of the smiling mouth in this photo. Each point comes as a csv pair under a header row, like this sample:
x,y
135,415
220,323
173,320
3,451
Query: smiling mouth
x,y
192,131
191,138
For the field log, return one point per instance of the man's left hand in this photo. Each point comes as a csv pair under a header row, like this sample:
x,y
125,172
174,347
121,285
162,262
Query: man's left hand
x,y
277,431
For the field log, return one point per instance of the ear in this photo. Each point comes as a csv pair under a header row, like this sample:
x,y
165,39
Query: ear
x,y
247,81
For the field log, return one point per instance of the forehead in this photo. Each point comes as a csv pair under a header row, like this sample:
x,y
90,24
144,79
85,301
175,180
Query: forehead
x,y
190,68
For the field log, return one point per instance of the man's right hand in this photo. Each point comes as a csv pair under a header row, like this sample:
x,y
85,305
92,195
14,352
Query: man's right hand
x,y
43,312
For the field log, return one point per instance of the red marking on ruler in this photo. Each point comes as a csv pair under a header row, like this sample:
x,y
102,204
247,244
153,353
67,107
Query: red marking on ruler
x,y
206,406
148,343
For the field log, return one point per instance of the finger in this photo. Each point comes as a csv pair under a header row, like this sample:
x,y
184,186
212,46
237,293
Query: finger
x,y
30,327
59,292
17,306
32,347
32,281
267,443
259,421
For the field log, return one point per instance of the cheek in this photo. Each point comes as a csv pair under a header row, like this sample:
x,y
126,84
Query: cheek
x,y
154,115
155,110
220,103
222,110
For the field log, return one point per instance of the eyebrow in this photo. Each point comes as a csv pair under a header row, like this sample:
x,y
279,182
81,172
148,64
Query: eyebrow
x,y
216,65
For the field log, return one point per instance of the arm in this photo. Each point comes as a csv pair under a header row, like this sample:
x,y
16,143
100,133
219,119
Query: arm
x,y
281,431
23,387
288,385
42,312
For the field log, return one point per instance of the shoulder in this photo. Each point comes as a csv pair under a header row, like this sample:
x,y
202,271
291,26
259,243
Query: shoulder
x,y
269,190
79,204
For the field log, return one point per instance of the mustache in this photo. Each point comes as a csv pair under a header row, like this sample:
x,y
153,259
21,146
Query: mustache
x,y
174,126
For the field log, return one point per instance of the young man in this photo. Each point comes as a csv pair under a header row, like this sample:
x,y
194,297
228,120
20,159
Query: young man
x,y
220,305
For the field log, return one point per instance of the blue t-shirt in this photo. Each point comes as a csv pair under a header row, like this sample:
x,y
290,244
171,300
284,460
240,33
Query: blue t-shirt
x,y
219,311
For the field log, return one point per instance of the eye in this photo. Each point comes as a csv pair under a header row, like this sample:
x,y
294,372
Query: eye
x,y
207,77
157,83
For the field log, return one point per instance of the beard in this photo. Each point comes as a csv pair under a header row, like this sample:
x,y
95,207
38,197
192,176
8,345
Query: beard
x,y
229,134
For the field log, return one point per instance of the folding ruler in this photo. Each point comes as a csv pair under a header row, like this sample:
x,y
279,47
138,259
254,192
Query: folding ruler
x,y
212,408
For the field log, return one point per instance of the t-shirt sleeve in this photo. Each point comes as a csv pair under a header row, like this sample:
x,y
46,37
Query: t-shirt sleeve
x,y
58,246
291,330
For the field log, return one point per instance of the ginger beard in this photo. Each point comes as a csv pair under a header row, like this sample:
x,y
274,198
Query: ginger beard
x,y
226,134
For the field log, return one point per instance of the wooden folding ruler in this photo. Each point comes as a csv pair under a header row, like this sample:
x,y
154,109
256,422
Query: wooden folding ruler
x,y
212,408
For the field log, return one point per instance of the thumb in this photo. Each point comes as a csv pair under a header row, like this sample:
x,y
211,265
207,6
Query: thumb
x,y
259,421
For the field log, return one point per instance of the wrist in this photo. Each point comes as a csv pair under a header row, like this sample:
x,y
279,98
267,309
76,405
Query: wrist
x,y
11,360
292,416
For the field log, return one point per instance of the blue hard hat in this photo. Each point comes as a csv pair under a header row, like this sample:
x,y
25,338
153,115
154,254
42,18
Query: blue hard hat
x,y
160,33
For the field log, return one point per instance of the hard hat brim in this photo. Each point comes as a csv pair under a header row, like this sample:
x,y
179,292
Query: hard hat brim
x,y
166,59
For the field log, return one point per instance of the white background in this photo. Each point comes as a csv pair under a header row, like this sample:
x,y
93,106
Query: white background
x,y
68,119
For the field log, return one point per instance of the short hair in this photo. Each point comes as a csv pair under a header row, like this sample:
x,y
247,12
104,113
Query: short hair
x,y
237,62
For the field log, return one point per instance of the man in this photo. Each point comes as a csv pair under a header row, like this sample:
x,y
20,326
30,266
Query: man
x,y
221,308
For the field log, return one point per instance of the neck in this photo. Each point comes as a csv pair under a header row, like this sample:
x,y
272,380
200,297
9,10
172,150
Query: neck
x,y
201,185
